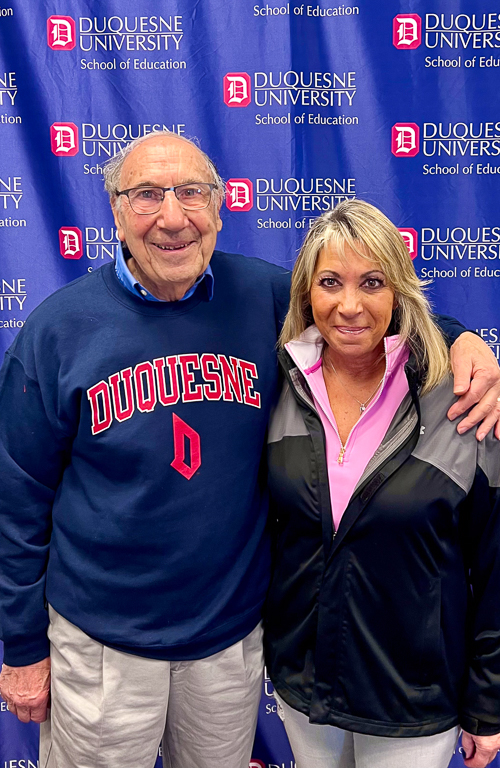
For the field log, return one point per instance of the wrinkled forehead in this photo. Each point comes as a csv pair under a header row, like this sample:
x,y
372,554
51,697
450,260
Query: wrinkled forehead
x,y
163,160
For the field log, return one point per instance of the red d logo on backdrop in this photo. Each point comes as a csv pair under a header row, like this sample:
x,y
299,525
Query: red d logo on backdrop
x,y
61,33
407,31
239,194
405,139
256,763
237,89
64,139
71,242
410,236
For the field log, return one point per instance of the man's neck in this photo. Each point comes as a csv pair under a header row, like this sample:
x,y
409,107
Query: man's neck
x,y
164,292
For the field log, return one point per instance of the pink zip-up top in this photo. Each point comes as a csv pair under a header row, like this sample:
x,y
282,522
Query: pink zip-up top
x,y
345,466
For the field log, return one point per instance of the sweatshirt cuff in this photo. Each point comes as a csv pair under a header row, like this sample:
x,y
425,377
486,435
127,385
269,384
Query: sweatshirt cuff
x,y
479,727
26,650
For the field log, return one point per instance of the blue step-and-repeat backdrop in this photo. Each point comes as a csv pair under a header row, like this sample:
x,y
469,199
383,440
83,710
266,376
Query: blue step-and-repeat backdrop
x,y
301,105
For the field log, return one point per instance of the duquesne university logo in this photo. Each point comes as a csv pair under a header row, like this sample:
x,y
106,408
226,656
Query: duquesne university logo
x,y
61,33
239,195
410,236
64,139
407,31
237,89
71,242
405,139
254,763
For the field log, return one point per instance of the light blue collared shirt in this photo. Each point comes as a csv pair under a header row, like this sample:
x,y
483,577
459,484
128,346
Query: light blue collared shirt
x,y
129,282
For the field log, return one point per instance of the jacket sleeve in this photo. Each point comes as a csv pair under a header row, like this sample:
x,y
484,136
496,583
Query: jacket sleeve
x,y
480,713
34,450
450,327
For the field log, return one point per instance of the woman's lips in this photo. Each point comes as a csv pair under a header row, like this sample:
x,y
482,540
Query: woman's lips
x,y
350,330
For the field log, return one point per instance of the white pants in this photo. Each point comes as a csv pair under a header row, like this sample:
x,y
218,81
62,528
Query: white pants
x,y
324,746
111,709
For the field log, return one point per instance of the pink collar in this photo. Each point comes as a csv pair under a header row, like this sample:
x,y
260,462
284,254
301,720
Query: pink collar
x,y
307,350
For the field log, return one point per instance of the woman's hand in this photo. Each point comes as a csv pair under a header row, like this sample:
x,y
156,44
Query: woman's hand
x,y
479,750
477,380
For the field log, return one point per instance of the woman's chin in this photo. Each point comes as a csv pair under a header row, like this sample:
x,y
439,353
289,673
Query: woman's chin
x,y
350,345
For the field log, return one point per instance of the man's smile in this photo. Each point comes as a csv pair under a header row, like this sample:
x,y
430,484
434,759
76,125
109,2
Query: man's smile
x,y
174,247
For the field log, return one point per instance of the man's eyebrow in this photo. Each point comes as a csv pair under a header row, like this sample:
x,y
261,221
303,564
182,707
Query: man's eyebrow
x,y
193,181
158,186
144,184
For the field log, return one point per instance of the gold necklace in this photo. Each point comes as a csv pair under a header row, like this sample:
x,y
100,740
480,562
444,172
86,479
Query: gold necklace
x,y
362,406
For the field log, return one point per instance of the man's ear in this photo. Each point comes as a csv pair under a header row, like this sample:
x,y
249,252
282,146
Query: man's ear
x,y
115,207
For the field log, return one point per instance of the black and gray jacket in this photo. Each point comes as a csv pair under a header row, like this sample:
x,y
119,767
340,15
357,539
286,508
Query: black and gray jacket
x,y
391,624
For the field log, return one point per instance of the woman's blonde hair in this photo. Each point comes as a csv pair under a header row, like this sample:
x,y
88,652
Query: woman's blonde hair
x,y
364,228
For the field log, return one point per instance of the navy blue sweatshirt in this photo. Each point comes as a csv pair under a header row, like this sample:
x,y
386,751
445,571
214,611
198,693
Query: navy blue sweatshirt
x,y
133,491
131,440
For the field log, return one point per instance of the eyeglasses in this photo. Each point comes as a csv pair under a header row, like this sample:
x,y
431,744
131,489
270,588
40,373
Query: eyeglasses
x,y
148,200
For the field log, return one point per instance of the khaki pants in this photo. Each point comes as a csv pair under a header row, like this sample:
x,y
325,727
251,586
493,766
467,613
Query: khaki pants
x,y
111,709
324,746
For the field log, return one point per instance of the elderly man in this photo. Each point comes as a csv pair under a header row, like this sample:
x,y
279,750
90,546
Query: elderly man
x,y
135,402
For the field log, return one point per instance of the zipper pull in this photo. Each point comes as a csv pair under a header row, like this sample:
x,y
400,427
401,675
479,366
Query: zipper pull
x,y
340,459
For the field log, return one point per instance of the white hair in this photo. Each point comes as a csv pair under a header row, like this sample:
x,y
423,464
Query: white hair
x,y
113,167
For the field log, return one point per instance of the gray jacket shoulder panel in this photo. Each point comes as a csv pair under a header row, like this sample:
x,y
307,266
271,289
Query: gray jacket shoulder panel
x,y
286,420
439,443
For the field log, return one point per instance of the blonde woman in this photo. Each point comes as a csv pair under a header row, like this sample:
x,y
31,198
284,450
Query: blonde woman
x,y
383,617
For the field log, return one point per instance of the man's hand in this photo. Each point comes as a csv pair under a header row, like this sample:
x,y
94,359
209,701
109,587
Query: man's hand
x,y
26,690
479,750
472,359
